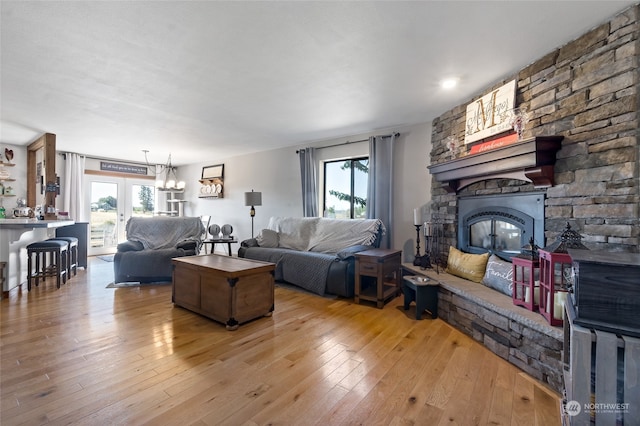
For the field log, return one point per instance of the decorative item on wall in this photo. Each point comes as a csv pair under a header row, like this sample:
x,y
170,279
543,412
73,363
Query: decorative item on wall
x,y
252,199
492,144
212,181
488,115
452,144
518,119
4,174
8,153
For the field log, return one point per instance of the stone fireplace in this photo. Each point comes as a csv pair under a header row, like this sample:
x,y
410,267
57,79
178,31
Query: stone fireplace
x,y
499,196
587,92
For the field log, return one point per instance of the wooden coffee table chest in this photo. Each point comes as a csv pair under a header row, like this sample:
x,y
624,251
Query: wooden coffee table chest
x,y
227,289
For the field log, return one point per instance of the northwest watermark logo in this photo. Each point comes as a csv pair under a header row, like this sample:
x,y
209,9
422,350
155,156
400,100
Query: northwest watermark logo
x,y
572,408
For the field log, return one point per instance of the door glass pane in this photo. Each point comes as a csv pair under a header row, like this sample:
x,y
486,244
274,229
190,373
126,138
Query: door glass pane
x,y
104,214
337,194
360,182
508,237
480,234
142,200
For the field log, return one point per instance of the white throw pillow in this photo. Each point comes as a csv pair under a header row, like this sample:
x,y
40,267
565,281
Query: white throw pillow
x,y
268,238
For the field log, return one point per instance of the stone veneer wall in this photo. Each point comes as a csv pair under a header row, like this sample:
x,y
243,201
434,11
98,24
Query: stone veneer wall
x,y
586,91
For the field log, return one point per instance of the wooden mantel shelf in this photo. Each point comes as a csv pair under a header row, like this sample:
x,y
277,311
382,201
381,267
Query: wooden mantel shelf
x,y
530,160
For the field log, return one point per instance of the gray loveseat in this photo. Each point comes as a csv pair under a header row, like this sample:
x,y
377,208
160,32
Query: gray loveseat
x,y
317,254
151,244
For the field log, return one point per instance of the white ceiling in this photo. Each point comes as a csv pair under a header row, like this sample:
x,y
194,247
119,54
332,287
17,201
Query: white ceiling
x,y
205,80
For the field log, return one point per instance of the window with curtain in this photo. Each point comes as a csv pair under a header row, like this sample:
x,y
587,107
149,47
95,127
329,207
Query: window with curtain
x,y
345,188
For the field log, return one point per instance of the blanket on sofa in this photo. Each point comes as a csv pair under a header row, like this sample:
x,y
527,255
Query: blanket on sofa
x,y
163,232
297,267
324,235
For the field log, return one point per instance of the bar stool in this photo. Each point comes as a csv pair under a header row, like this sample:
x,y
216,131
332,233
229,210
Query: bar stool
x,y
72,250
57,267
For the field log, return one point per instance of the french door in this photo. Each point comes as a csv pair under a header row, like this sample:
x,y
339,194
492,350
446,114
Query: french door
x,y
111,201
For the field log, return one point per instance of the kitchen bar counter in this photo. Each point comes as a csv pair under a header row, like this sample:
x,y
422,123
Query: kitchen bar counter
x,y
15,236
33,223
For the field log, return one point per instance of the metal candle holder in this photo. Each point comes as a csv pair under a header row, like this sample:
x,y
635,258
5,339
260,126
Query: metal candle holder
x,y
416,260
433,235
422,261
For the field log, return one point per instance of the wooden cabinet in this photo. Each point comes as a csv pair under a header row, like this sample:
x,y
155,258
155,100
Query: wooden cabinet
x,y
378,275
606,290
600,375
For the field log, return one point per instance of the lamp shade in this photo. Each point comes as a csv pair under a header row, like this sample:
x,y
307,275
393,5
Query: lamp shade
x,y
253,198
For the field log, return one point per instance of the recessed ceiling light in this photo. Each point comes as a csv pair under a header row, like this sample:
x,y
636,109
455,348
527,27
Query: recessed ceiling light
x,y
449,83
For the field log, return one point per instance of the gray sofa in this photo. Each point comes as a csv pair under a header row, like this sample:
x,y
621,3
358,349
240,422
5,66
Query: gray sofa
x,y
152,243
317,254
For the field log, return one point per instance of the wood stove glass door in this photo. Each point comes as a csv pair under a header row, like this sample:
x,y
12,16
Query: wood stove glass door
x,y
496,236
498,232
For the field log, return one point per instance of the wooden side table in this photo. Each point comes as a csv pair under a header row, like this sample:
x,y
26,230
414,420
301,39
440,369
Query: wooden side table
x,y
214,241
385,266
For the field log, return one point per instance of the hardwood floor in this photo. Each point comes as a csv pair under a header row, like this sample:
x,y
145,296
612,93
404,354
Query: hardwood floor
x,y
88,355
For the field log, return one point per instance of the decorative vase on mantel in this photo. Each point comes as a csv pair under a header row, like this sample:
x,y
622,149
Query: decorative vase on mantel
x,y
518,120
451,143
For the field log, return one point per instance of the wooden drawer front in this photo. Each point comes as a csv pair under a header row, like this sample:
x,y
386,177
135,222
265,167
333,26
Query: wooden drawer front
x,y
186,287
366,268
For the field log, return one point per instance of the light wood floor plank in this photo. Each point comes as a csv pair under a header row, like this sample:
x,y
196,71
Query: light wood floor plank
x,y
523,397
88,355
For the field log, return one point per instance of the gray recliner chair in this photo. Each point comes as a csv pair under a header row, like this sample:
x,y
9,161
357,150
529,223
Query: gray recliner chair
x,y
152,243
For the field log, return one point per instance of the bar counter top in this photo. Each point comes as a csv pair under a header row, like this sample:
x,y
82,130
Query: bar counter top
x,y
33,223
15,235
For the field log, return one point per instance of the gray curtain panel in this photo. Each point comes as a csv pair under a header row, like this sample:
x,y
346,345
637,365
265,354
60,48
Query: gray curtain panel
x,y
380,190
308,174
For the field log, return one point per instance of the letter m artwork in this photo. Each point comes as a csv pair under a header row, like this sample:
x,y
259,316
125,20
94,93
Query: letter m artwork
x,y
483,115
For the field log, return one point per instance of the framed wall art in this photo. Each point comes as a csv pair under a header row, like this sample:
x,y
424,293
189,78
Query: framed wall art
x,y
212,181
210,172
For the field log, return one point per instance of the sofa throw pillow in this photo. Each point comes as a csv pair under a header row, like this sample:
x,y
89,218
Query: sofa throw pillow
x,y
466,265
499,275
268,238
